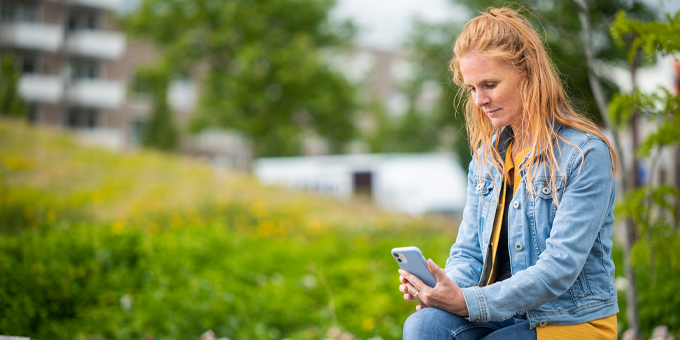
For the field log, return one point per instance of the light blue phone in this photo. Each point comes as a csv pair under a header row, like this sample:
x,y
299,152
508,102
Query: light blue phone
x,y
411,259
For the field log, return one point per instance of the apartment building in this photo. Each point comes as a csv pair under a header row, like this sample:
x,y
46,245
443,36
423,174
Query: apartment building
x,y
76,66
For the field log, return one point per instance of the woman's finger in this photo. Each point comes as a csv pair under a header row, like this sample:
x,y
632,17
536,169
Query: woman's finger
x,y
416,294
414,280
408,291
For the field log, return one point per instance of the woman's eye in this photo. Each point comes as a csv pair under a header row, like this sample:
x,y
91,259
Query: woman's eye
x,y
490,86
472,89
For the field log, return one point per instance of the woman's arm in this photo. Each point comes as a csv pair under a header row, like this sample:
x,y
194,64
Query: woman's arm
x,y
463,267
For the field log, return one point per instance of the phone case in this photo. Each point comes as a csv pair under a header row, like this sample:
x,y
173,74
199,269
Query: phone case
x,y
413,261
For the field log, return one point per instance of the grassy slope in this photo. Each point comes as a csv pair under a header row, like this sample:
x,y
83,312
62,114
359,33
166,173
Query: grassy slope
x,y
101,245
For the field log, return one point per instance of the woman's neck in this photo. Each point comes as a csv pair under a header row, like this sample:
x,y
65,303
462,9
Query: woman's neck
x,y
522,141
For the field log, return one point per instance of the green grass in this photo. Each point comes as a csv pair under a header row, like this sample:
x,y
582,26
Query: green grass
x,y
98,245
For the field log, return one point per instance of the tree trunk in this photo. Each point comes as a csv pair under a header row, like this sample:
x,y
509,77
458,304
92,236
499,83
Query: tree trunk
x,y
631,234
602,105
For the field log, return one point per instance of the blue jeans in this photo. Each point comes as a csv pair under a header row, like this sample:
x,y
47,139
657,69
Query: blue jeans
x,y
432,323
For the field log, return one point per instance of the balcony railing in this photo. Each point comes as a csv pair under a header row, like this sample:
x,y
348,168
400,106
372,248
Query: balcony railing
x,y
96,93
41,88
32,36
96,44
99,4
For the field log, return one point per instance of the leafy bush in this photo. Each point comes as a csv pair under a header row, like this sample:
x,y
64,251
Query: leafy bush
x,y
100,246
106,281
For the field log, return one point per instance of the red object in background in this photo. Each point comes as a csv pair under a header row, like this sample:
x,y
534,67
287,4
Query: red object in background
x,y
677,76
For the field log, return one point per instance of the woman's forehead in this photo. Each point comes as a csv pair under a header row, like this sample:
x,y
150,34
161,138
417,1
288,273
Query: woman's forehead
x,y
475,68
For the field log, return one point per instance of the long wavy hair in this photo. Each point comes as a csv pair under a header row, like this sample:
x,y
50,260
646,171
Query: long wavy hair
x,y
504,34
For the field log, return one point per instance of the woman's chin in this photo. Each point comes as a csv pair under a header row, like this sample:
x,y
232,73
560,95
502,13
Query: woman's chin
x,y
498,124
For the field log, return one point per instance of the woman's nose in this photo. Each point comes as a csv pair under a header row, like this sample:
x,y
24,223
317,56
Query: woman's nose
x,y
480,98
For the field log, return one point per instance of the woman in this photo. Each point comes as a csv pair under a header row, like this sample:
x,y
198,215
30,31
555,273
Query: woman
x,y
532,258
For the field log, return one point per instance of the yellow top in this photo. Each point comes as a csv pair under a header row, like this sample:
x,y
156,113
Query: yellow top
x,y
604,328
498,221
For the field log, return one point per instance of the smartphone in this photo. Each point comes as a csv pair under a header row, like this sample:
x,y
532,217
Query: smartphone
x,y
411,259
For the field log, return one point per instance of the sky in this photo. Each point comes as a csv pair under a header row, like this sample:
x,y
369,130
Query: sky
x,y
384,24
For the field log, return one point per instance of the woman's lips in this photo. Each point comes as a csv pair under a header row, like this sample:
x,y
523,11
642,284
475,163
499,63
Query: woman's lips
x,y
492,112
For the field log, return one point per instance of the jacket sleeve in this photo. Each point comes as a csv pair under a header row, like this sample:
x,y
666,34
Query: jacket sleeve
x,y
586,201
464,265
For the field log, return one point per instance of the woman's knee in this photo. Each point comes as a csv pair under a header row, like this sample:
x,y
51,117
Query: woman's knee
x,y
431,323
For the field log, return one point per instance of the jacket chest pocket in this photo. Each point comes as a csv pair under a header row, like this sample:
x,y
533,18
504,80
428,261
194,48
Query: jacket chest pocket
x,y
544,206
488,198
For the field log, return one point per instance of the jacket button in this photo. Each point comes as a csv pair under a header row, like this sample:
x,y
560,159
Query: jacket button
x,y
543,323
546,191
515,204
518,246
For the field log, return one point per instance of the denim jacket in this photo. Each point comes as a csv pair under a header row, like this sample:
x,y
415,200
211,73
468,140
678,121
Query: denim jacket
x,y
560,254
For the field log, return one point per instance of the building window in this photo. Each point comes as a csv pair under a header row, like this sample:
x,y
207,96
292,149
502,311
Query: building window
x,y
26,12
137,126
7,12
81,118
29,13
83,20
84,69
29,64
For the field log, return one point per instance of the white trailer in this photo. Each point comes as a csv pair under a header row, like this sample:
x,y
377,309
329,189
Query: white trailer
x,y
412,183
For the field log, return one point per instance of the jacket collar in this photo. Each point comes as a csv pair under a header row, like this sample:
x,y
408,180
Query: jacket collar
x,y
507,135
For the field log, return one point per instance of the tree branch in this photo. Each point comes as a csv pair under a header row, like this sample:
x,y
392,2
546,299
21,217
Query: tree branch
x,y
561,31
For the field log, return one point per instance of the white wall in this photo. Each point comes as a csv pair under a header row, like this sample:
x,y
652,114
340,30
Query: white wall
x,y
412,183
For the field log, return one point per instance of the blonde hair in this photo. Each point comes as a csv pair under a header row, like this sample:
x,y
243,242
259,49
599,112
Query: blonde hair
x,y
504,34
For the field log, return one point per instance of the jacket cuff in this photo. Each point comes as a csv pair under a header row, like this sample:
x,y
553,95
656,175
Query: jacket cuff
x,y
474,299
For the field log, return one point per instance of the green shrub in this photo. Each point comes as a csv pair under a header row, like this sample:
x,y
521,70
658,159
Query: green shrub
x,y
88,281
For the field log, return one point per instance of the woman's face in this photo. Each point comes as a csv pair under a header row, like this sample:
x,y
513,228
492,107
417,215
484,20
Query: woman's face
x,y
494,87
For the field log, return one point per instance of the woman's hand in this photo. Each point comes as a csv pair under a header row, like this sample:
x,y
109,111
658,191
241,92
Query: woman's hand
x,y
445,295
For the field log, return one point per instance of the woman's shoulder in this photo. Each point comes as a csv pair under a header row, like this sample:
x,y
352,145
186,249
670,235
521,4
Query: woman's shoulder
x,y
575,137
575,145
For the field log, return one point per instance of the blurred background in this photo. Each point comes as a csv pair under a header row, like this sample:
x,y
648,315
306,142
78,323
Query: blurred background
x,y
240,169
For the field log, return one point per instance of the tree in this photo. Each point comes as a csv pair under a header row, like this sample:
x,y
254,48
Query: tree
x,y
11,103
431,47
414,131
160,131
651,208
261,65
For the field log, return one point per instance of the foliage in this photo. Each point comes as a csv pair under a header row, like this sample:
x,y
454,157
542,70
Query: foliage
x,y
260,64
11,103
432,49
660,107
651,37
95,245
160,131
652,208
413,132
